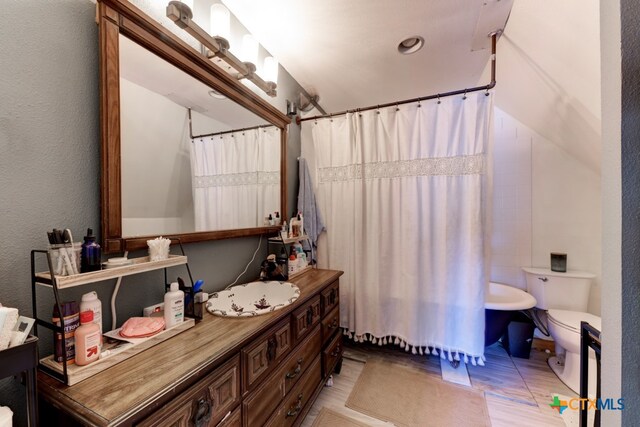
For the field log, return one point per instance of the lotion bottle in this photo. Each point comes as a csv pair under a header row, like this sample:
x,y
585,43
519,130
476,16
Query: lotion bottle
x,y
173,306
88,339
90,302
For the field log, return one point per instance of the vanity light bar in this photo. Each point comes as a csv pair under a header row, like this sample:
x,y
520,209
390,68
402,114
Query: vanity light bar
x,y
182,16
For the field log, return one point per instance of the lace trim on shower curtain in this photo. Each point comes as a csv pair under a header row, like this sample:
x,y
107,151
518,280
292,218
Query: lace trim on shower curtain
x,y
447,166
427,349
237,179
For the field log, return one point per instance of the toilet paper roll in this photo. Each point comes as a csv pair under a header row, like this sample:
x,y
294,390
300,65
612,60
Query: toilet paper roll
x,y
6,417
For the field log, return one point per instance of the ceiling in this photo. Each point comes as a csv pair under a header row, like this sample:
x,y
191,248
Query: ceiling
x,y
346,51
149,71
548,70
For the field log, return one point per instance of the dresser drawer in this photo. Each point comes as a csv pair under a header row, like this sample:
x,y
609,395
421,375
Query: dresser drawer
x,y
233,420
261,403
330,324
331,355
263,355
305,318
204,404
330,297
299,396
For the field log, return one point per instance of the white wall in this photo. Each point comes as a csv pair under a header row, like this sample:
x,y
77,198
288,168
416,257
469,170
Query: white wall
x,y
548,73
157,129
545,201
511,241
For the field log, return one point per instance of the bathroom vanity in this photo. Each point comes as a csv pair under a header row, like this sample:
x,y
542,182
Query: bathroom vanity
x,y
262,370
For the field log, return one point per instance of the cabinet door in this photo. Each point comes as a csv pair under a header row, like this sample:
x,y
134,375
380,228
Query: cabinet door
x,y
233,420
295,402
330,297
204,404
261,402
305,318
331,355
330,324
260,357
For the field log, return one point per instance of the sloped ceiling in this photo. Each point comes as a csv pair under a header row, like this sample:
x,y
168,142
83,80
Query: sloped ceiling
x,y
548,58
346,51
549,73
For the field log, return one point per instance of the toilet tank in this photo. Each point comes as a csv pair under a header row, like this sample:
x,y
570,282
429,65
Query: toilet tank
x,y
564,291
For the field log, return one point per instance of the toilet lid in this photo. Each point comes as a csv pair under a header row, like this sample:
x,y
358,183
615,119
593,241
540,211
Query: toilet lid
x,y
571,319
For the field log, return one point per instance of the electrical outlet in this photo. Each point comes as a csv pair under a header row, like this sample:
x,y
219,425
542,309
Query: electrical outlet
x,y
154,310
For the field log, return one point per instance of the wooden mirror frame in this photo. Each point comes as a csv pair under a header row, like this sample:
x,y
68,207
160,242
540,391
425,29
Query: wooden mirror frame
x,y
115,17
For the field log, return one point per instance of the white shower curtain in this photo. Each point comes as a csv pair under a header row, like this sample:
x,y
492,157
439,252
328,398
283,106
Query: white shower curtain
x,y
404,192
236,178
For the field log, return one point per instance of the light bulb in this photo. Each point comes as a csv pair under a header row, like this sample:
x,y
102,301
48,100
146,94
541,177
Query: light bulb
x,y
249,49
220,21
270,69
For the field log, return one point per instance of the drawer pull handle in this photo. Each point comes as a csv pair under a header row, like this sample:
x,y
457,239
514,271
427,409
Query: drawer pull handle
x,y
335,352
309,316
334,324
292,375
332,297
271,349
544,279
203,413
293,412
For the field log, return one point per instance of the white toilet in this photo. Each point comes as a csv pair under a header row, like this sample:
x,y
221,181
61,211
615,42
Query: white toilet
x,y
565,296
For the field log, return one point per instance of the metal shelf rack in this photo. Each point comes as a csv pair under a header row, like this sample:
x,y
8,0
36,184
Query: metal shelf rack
x,y
58,283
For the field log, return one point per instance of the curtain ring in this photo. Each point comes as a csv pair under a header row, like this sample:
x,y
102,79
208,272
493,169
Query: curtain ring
x,y
487,92
397,108
331,117
439,101
419,103
359,113
378,109
465,95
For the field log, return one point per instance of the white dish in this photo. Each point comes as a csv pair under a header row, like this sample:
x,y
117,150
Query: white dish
x,y
252,299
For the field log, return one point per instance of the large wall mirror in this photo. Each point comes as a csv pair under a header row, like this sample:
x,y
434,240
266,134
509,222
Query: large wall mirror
x,y
188,151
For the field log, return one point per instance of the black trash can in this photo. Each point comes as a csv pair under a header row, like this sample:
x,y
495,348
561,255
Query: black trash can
x,y
519,336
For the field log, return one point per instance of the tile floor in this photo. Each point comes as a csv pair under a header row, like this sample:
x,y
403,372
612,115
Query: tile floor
x,y
518,391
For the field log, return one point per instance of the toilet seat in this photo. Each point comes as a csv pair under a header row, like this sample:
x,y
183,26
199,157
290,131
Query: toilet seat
x,y
570,320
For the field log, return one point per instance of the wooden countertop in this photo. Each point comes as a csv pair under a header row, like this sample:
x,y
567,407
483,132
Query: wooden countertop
x,y
119,394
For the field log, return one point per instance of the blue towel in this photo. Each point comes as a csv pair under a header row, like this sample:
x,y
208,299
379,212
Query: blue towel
x,y
313,223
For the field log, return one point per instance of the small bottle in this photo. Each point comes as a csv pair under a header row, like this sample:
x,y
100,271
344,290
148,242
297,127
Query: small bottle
x,y
88,339
90,302
301,219
271,220
90,258
293,264
295,227
284,231
277,219
66,344
173,306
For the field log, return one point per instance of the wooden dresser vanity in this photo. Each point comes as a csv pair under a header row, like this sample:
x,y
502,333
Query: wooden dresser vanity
x,y
263,370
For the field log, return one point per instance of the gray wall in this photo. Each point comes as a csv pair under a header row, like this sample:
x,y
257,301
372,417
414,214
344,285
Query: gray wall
x,y
630,165
621,204
50,161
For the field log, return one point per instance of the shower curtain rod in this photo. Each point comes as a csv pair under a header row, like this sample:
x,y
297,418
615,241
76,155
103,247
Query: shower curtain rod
x,y
206,135
491,85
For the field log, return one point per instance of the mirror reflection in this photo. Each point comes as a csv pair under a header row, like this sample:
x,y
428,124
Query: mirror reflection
x,y
226,177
